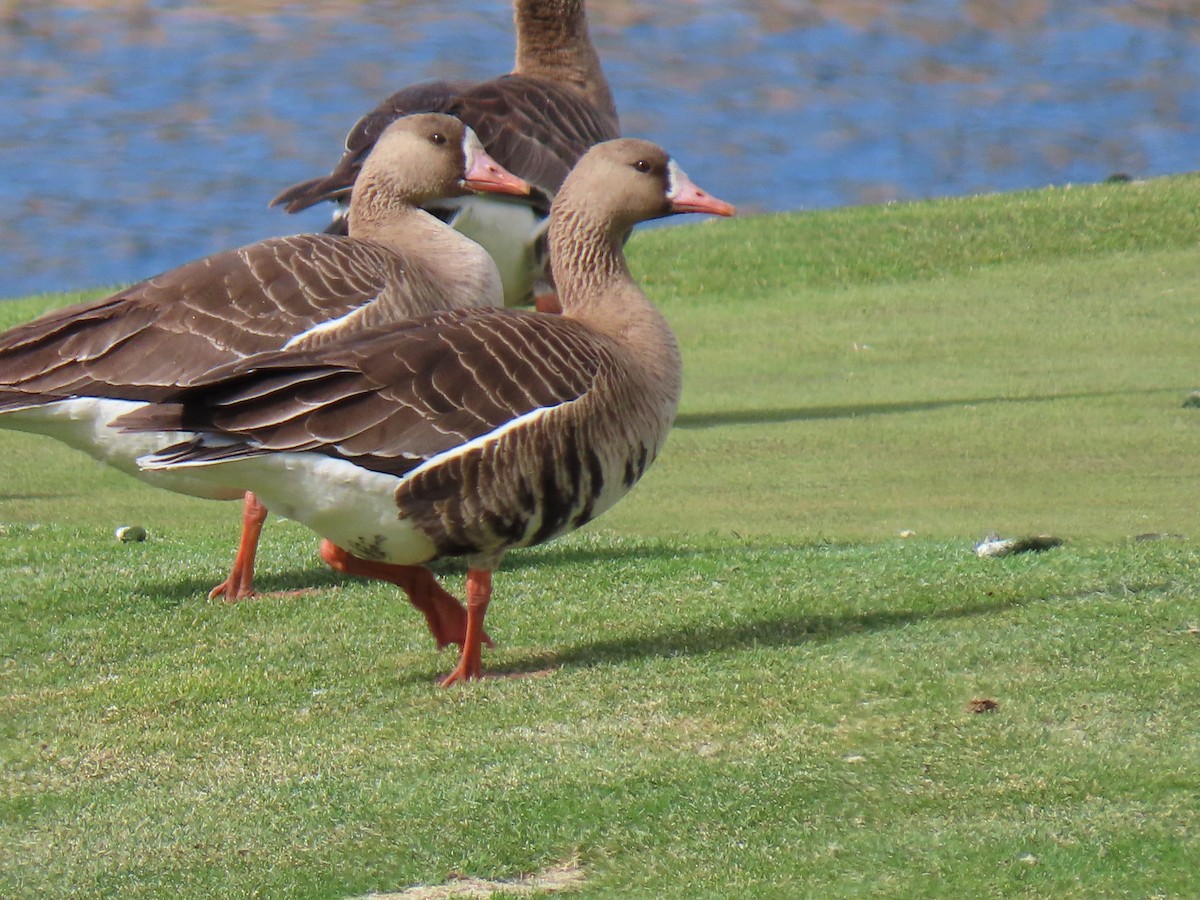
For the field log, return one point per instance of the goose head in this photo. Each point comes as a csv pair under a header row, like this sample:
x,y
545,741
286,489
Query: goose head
x,y
422,158
622,182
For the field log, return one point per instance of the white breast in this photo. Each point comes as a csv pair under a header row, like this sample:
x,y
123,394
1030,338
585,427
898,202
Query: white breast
x,y
351,506
509,231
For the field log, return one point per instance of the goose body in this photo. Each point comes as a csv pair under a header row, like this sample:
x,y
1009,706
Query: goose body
x,y
70,373
467,432
536,121
414,414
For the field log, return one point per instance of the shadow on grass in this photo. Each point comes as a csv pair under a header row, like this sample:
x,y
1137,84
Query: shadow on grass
x,y
668,641
774,632
859,410
176,591
571,556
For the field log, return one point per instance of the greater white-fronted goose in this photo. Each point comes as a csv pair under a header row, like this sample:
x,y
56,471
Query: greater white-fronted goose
x,y
462,433
70,372
536,121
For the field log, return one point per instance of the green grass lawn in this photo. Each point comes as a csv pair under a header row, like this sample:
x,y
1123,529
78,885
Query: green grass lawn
x,y
743,681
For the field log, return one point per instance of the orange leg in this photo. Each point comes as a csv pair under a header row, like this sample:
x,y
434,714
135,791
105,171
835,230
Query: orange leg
x,y
547,303
479,594
448,622
240,583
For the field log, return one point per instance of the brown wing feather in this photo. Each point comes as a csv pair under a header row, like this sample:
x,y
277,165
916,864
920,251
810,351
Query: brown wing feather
x,y
166,331
533,127
536,129
390,399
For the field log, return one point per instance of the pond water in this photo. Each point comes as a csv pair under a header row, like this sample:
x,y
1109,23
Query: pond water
x,y
138,134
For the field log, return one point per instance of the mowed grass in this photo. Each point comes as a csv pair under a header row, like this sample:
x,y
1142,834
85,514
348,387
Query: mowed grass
x,y
740,682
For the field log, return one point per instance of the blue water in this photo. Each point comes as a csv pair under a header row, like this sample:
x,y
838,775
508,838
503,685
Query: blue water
x,y
137,135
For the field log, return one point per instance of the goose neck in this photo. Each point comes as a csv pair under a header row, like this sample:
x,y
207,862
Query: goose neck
x,y
586,260
553,43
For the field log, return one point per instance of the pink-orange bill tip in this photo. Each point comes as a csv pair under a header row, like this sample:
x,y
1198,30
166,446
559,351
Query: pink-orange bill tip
x,y
487,175
685,197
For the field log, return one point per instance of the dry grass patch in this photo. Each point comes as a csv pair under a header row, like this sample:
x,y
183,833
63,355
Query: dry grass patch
x,y
555,880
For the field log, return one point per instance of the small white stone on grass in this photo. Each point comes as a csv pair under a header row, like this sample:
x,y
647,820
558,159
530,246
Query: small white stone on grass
x,y
994,545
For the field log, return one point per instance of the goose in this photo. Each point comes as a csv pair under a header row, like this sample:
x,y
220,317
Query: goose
x,y
463,433
70,372
537,121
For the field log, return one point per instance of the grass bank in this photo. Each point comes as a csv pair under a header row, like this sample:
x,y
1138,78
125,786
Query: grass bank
x,y
742,681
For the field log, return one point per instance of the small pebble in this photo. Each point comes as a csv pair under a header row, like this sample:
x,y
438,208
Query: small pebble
x,y
129,533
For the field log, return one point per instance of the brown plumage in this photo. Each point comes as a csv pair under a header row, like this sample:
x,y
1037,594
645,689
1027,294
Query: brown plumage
x,y
536,121
469,432
69,372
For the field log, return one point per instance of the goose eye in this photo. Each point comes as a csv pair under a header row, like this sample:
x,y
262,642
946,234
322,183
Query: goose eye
x,y
437,138
643,166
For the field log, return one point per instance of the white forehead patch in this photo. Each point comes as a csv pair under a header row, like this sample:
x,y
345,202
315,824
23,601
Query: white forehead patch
x,y
675,175
470,145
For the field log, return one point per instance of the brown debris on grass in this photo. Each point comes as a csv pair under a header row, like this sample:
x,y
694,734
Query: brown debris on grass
x,y
983,705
